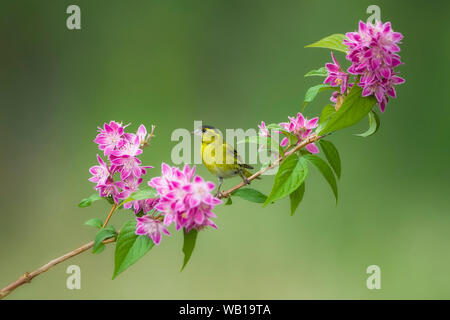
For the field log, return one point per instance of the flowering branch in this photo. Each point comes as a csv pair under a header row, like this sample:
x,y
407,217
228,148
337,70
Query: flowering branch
x,y
28,276
184,199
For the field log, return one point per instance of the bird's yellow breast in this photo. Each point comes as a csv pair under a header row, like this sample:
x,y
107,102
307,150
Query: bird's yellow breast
x,y
226,168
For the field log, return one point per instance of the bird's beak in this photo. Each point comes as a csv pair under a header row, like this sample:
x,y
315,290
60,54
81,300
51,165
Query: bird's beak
x,y
197,132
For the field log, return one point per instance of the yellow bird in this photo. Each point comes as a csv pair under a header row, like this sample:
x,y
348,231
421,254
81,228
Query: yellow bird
x,y
220,158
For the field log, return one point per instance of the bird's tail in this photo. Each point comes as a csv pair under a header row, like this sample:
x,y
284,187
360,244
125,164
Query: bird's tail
x,y
248,173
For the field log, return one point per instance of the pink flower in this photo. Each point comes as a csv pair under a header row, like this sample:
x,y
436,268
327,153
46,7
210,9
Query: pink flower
x,y
263,131
122,149
336,77
127,165
99,173
142,134
125,161
128,186
301,128
143,206
373,53
185,199
151,227
199,191
202,218
110,137
109,189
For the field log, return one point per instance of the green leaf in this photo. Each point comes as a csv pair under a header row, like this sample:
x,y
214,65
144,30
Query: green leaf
x,y
103,234
333,42
129,247
188,245
100,249
321,72
374,124
141,194
229,202
88,201
94,222
353,109
314,91
325,115
291,174
332,155
327,111
296,197
326,171
274,126
293,139
250,195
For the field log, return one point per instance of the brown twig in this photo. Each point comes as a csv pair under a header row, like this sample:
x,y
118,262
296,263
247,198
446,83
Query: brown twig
x,y
114,207
26,278
277,162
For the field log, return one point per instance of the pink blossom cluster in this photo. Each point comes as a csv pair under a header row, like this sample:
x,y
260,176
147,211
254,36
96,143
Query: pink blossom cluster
x,y
151,227
121,174
302,128
298,126
141,206
184,199
373,52
336,77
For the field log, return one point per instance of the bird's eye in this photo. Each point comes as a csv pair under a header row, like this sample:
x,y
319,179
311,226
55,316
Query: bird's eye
x,y
203,130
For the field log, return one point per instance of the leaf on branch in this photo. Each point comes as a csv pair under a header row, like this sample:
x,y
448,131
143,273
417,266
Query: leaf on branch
x,y
293,139
103,234
326,113
188,245
321,72
291,174
229,202
142,194
88,201
274,126
296,197
354,108
94,222
129,247
332,155
374,124
333,42
312,92
325,170
250,194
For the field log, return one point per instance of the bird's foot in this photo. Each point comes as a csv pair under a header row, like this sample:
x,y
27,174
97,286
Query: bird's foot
x,y
246,181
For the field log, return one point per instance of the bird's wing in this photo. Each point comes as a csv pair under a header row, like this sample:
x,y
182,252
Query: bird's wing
x,y
231,153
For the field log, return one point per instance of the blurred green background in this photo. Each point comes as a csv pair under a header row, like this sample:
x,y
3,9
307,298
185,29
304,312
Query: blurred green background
x,y
230,64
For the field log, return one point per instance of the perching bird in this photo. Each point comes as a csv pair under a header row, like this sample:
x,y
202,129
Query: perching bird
x,y
214,148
